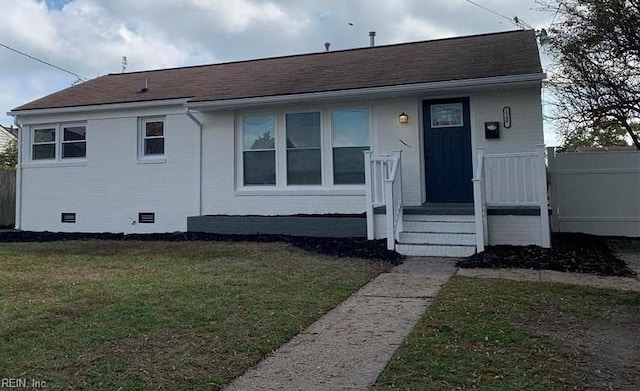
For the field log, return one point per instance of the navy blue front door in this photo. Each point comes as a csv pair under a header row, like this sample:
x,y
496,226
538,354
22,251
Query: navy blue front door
x,y
448,150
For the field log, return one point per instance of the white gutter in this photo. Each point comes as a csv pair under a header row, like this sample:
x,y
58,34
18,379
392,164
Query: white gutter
x,y
104,107
18,216
496,81
197,122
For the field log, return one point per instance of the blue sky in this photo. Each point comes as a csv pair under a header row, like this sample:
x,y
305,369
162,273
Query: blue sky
x,y
90,37
57,4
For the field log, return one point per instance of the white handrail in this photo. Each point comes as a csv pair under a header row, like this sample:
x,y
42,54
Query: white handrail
x,y
383,177
479,204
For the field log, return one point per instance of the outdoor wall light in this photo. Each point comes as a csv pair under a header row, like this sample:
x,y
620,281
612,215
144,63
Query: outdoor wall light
x,y
403,118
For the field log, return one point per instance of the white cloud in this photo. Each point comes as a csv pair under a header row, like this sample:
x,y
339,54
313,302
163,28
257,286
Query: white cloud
x,y
90,37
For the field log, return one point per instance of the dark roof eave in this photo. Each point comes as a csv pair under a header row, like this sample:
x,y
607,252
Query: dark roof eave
x,y
401,89
126,104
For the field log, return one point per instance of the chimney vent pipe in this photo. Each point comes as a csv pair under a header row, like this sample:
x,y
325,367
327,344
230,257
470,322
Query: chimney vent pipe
x,y
372,38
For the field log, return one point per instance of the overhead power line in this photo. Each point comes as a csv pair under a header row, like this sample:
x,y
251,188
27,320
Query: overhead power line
x,y
79,79
515,20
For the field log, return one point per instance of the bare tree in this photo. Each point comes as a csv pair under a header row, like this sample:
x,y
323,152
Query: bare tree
x,y
596,44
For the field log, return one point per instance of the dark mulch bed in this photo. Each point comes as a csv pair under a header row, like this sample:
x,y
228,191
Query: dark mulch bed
x,y
338,247
569,252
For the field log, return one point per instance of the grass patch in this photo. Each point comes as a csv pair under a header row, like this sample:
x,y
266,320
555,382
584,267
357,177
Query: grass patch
x,y
150,315
490,335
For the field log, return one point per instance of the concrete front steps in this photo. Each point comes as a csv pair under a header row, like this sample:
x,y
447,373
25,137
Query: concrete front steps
x,y
451,235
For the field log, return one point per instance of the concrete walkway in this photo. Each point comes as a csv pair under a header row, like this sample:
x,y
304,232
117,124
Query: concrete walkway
x,y
348,347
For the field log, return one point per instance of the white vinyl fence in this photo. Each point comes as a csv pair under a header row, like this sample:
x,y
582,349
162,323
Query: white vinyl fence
x,y
596,192
7,198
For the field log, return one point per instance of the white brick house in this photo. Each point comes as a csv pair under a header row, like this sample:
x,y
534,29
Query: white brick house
x,y
277,146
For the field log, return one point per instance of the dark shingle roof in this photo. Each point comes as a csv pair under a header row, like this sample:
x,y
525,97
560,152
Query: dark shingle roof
x,y
472,57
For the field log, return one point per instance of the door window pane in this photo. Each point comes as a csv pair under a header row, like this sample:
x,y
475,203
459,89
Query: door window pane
x,y
304,158
259,155
350,138
446,115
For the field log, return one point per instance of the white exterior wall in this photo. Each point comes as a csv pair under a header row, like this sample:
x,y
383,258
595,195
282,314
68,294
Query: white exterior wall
x,y
514,230
526,120
109,190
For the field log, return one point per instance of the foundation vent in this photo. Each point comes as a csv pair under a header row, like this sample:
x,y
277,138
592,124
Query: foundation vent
x,y
68,217
146,218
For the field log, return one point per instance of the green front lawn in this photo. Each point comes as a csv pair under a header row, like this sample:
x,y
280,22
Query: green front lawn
x,y
158,315
503,335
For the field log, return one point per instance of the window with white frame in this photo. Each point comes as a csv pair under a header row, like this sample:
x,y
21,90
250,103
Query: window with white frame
x,y
259,150
304,153
152,137
74,141
350,139
54,142
44,144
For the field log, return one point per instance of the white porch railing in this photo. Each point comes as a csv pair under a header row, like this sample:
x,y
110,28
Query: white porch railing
x,y
479,203
511,179
383,176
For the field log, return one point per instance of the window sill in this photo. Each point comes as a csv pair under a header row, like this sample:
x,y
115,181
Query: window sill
x,y
54,163
152,160
326,191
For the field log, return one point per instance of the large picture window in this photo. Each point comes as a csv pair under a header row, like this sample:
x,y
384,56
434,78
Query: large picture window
x,y
259,150
350,140
304,157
